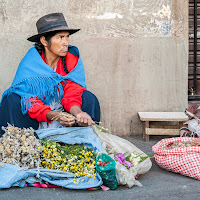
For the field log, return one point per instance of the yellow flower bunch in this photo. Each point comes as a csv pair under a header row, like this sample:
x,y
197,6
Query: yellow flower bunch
x,y
76,159
101,128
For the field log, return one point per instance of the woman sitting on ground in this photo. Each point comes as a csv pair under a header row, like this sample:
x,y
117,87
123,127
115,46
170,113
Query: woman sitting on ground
x,y
49,82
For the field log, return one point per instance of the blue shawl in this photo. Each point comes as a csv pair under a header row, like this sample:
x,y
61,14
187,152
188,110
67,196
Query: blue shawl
x,y
34,78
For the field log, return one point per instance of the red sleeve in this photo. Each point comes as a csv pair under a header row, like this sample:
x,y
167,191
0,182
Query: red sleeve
x,y
72,95
38,110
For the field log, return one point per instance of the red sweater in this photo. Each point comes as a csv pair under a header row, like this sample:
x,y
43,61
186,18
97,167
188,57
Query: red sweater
x,y
72,92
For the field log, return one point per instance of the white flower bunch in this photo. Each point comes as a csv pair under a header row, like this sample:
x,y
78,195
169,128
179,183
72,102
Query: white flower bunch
x,y
134,159
20,147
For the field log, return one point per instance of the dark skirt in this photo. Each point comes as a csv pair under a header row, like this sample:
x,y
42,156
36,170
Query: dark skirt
x,y
10,111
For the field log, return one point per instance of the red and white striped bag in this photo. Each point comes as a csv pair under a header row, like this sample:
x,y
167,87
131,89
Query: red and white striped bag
x,y
185,161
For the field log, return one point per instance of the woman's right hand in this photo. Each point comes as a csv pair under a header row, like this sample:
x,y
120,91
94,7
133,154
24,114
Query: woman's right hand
x,y
63,120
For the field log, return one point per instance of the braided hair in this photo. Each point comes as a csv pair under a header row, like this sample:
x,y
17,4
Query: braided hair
x,y
40,47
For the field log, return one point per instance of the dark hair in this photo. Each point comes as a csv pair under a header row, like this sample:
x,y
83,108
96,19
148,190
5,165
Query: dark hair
x,y
40,47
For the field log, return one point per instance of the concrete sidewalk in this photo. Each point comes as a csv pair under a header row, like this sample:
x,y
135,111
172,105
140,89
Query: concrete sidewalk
x,y
158,184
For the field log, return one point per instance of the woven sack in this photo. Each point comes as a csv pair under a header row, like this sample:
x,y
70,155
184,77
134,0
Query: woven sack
x,y
185,161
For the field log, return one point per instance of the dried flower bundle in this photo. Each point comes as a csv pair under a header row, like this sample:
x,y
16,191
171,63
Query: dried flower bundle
x,y
67,115
20,147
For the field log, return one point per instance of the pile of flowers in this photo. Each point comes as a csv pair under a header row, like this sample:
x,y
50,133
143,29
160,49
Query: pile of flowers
x,y
20,147
76,159
130,160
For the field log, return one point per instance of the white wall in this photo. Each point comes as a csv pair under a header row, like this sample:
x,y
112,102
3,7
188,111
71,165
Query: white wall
x,y
135,59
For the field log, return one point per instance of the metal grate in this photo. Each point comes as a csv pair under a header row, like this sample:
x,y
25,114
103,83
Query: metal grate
x,y
194,51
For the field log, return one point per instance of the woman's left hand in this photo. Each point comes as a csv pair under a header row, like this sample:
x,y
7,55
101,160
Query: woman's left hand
x,y
83,119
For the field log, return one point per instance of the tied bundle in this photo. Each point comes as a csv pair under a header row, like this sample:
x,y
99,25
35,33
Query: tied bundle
x,y
69,116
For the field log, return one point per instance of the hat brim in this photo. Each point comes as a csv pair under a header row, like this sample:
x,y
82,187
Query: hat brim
x,y
35,38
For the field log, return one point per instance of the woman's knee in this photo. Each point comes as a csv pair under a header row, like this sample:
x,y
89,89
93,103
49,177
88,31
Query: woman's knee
x,y
12,99
10,112
11,102
90,105
89,97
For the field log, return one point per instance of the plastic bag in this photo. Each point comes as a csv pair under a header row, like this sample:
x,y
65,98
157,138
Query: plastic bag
x,y
191,128
107,172
112,144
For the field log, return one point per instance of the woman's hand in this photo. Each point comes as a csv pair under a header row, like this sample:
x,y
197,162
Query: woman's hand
x,y
63,120
82,118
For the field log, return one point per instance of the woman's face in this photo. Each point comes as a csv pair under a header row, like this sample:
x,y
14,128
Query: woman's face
x,y
58,44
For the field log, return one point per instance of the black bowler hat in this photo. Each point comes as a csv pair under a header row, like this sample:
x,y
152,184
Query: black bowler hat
x,y
50,23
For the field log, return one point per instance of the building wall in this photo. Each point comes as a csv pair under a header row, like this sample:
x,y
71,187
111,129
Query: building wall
x,y
135,52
